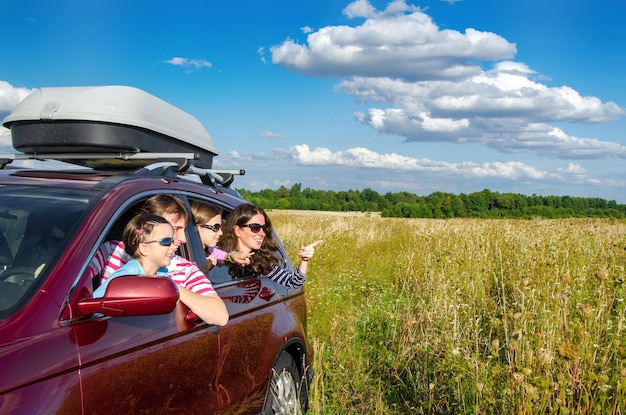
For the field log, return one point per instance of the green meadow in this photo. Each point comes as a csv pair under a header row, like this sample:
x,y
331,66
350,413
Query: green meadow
x,y
464,316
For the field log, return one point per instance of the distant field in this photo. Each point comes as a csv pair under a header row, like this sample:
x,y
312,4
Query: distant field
x,y
464,316
309,213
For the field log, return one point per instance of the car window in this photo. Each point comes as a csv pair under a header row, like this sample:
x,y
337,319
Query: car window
x,y
34,226
223,271
114,234
195,248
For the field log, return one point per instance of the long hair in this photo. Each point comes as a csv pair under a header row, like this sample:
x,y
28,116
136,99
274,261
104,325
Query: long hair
x,y
203,212
138,230
266,258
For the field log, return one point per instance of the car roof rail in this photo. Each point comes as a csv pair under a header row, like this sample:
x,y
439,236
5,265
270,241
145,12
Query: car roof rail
x,y
212,177
162,168
218,179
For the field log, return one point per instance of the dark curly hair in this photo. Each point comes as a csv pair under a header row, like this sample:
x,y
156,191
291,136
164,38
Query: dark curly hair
x,y
266,258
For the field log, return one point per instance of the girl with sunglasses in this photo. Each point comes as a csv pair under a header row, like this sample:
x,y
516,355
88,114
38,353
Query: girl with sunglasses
x,y
208,219
149,239
248,230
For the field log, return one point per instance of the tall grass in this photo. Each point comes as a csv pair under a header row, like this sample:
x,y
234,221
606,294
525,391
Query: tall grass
x,y
411,316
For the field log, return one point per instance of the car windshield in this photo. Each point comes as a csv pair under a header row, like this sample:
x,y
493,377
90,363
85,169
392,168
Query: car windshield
x,y
34,225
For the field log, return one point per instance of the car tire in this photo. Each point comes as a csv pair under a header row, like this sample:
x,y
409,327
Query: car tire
x,y
286,394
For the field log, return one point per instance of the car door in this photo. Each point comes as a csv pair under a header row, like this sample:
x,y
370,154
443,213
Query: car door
x,y
150,364
158,364
249,343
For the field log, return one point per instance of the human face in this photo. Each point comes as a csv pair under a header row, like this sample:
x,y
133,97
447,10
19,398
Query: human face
x,y
210,237
248,240
155,255
179,225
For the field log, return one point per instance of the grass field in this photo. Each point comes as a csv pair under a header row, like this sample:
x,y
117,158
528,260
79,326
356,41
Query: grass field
x,y
417,316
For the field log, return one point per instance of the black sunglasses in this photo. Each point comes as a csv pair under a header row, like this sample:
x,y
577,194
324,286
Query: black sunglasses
x,y
255,227
214,228
162,242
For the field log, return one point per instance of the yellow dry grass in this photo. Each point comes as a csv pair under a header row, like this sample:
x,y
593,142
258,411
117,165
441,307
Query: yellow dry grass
x,y
464,316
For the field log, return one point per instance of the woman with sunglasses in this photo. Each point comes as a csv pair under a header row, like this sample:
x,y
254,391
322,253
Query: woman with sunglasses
x,y
149,239
208,219
248,230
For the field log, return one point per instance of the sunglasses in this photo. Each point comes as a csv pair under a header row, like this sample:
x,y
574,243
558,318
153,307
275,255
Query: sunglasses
x,y
255,227
214,228
162,242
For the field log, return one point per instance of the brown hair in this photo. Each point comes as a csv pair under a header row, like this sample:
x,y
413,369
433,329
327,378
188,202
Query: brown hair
x,y
266,258
138,230
165,203
203,212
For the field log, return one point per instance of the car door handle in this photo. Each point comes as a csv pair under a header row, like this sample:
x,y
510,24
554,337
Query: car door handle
x,y
266,294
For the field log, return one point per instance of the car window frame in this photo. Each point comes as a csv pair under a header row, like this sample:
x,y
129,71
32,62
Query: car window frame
x,y
119,213
193,236
45,268
197,250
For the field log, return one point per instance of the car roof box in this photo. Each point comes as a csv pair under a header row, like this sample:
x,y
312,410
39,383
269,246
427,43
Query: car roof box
x,y
105,119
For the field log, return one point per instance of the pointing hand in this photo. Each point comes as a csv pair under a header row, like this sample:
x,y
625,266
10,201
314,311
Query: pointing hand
x,y
306,252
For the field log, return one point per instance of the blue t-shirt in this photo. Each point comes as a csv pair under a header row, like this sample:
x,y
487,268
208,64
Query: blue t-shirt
x,y
132,267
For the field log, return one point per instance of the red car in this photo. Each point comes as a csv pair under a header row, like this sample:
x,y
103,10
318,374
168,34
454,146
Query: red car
x,y
132,351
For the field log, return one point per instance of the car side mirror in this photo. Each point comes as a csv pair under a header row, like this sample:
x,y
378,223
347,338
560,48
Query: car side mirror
x,y
134,295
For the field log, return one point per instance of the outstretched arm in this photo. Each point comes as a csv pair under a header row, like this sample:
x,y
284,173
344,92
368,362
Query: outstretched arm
x,y
294,278
306,253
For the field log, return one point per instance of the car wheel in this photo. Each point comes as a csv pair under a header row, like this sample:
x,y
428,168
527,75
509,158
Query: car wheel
x,y
285,395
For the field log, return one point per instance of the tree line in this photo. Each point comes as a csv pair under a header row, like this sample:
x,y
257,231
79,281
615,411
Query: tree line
x,y
438,205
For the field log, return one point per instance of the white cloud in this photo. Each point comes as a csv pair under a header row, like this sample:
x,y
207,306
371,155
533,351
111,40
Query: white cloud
x,y
402,35
6,146
361,157
426,84
359,8
189,63
270,134
10,96
261,52
322,168
500,93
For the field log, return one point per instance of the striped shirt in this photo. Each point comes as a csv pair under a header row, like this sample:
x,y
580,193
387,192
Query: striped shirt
x,y
293,278
111,256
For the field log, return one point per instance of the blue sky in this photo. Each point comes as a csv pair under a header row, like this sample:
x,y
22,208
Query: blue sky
x,y
454,96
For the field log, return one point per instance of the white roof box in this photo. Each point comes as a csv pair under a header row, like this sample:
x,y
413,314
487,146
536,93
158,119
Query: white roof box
x,y
105,119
